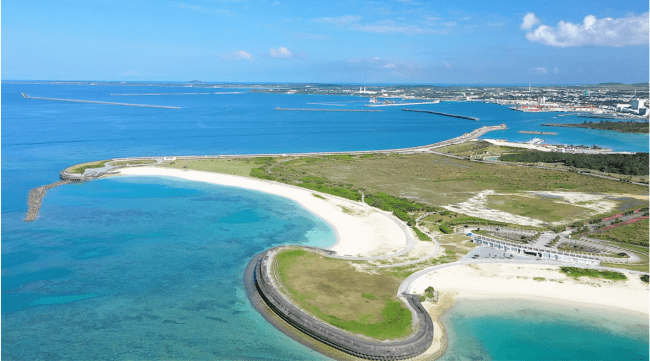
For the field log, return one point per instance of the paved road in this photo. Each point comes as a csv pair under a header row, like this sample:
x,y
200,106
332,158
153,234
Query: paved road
x,y
428,256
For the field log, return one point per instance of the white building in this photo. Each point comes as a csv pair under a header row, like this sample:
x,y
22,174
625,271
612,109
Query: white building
x,y
637,104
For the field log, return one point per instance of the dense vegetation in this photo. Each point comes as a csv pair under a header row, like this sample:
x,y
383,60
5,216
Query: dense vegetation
x,y
622,127
587,272
628,164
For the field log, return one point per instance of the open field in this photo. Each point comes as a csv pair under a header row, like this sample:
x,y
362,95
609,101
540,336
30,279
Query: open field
x,y
82,167
133,162
632,267
477,148
635,234
337,293
437,180
536,207
459,244
226,166
428,179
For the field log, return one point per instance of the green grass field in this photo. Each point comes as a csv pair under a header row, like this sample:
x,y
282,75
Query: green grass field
x,y
428,179
480,148
334,291
227,166
536,207
634,234
80,168
133,162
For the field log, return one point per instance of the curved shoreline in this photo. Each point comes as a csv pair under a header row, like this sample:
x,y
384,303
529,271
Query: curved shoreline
x,y
369,233
414,345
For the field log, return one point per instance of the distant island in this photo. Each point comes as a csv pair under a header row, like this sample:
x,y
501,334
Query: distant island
x,y
621,127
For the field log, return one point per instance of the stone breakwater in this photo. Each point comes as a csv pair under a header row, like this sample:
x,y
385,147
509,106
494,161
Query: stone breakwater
x,y
365,348
35,198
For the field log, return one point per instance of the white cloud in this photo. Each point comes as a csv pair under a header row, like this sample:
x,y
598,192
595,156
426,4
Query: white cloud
x,y
339,20
466,18
530,20
242,55
281,52
540,70
630,30
448,65
556,71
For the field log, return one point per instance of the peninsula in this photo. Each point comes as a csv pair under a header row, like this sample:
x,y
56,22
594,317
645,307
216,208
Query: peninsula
x,y
620,126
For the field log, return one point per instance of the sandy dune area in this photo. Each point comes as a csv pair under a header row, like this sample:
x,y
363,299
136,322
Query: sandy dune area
x,y
538,283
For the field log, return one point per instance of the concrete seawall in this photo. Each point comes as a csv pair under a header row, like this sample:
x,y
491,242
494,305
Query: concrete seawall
x,y
439,113
334,337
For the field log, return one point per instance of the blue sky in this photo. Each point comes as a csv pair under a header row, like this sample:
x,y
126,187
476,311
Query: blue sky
x,y
392,41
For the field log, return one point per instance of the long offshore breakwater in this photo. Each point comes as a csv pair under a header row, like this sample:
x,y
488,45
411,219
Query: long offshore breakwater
x,y
325,110
99,102
439,113
259,273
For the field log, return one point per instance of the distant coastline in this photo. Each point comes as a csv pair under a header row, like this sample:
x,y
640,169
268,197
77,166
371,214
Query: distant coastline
x,y
621,127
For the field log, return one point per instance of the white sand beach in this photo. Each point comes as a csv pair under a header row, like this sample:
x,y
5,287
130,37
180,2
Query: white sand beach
x,y
503,281
361,230
364,231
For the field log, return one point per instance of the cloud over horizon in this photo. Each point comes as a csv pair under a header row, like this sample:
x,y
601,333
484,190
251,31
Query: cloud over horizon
x,y
630,30
281,52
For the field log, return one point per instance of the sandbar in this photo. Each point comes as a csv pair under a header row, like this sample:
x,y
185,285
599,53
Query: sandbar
x,y
361,230
541,282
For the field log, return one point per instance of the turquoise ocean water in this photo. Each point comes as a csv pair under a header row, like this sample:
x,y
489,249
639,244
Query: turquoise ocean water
x,y
525,330
149,268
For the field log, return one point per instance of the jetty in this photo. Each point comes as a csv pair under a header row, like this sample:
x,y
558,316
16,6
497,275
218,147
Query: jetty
x,y
99,102
439,113
400,104
325,110
150,94
535,132
35,198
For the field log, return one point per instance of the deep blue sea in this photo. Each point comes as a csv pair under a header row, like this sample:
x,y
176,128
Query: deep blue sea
x,y
149,268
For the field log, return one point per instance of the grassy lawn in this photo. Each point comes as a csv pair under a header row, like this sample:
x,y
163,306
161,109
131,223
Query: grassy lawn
x,y
226,166
536,207
334,291
459,244
133,162
480,148
421,236
437,180
632,267
635,233
427,179
82,167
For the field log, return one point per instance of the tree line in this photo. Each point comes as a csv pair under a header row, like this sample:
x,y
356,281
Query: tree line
x,y
628,164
